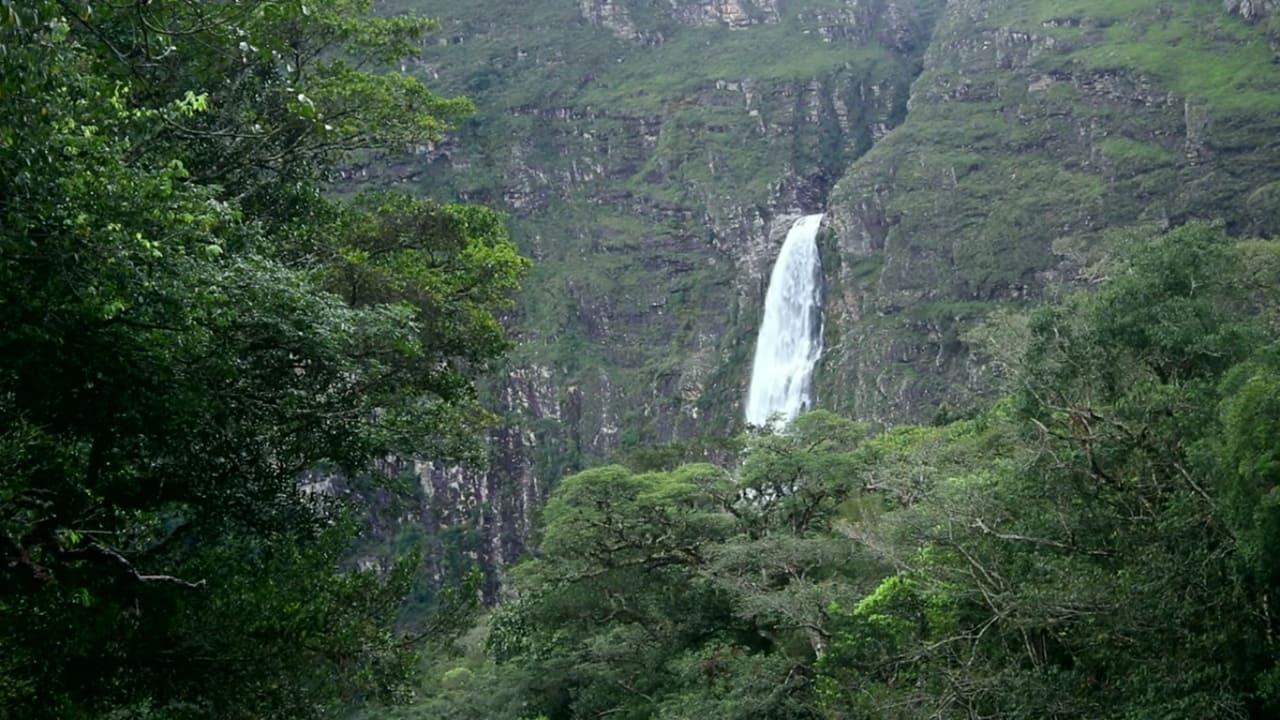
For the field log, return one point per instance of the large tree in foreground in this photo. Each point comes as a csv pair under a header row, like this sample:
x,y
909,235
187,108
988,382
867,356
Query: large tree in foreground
x,y
187,324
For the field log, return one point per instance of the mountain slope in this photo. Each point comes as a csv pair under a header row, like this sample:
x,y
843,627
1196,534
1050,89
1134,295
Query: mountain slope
x,y
651,156
973,155
1036,130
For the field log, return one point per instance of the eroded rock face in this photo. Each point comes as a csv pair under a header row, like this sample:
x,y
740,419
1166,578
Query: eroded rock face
x,y
1251,10
733,13
652,182
861,21
615,15
1017,156
612,15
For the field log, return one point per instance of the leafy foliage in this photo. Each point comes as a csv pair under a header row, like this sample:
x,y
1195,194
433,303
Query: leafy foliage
x,y
1100,543
1091,569
680,593
187,325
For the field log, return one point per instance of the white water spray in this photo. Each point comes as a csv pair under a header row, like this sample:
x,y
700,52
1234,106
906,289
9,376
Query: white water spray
x,y
790,338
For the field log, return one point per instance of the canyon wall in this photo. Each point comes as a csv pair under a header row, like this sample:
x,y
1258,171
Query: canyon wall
x,y
973,156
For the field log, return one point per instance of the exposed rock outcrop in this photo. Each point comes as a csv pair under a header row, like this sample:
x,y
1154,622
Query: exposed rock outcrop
x,y
612,15
653,195
1251,10
1022,147
733,13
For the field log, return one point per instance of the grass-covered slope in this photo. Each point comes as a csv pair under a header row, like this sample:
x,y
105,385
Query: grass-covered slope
x,y
1035,130
1100,544
642,168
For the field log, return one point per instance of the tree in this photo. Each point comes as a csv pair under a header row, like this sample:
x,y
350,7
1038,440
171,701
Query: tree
x,y
1101,560
187,324
682,593
1099,543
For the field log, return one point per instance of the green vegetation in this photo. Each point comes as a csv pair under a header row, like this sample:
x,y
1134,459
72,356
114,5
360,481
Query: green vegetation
x,y
221,370
630,165
189,328
1193,47
1099,543
1036,130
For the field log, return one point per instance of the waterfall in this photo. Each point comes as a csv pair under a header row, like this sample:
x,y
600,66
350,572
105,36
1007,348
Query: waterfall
x,y
790,339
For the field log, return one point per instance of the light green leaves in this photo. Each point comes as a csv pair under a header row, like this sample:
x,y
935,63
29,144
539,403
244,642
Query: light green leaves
x,y
191,103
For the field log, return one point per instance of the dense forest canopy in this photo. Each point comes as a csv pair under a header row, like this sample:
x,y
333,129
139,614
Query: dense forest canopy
x,y
188,322
209,341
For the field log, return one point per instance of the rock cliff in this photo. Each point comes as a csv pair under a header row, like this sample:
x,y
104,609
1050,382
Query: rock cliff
x,y
972,154
1032,135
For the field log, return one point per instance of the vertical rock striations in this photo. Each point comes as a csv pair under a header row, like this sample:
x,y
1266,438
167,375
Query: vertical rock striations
x,y
1251,10
731,13
651,157
1030,137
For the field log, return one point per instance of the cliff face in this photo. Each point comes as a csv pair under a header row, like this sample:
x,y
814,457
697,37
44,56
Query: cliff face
x,y
1032,134
1252,10
972,154
651,157
615,15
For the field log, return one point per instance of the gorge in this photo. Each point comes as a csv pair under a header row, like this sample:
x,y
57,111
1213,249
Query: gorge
x,y
975,158
639,359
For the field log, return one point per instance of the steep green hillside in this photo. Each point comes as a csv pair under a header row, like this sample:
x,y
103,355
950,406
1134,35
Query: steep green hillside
x,y
972,155
650,157
1099,544
1036,129
643,161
